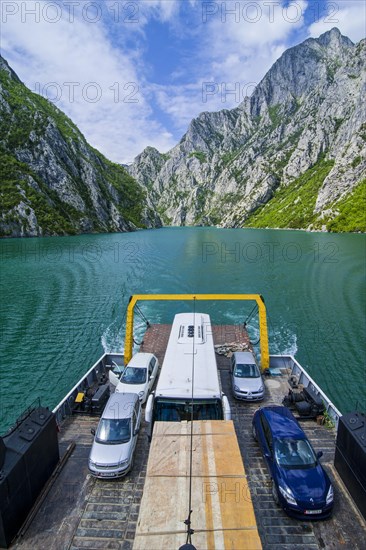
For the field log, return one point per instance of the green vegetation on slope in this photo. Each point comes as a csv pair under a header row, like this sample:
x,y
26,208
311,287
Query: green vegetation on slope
x,y
351,211
292,206
133,196
53,216
24,128
30,112
200,155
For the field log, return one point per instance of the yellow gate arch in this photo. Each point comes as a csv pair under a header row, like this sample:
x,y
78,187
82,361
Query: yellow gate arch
x,y
263,331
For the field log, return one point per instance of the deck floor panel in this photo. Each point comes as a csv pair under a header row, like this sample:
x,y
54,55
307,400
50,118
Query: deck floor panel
x,y
81,512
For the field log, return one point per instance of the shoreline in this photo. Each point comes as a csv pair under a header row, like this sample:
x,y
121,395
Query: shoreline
x,y
11,237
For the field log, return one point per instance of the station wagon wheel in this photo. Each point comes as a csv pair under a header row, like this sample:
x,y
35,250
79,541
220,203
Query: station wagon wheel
x,y
254,433
275,494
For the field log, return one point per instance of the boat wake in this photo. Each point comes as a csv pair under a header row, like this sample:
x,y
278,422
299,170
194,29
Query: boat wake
x,y
113,337
282,341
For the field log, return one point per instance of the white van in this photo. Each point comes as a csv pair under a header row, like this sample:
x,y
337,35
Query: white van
x,y
190,344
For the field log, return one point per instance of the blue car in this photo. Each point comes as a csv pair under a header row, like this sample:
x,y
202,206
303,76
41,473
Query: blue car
x,y
299,482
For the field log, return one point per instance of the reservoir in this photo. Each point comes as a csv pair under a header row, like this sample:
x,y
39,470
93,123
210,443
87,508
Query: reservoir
x,y
63,301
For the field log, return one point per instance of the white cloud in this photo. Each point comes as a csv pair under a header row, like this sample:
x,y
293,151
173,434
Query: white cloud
x,y
250,41
97,85
224,54
163,10
239,44
348,15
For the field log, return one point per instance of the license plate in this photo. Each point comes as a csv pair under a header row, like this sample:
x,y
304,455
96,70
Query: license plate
x,y
313,511
107,474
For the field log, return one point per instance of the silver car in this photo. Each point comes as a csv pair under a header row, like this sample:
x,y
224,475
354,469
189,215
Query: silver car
x,y
246,379
115,439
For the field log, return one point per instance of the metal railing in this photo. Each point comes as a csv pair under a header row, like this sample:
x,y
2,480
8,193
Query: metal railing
x,y
92,376
289,362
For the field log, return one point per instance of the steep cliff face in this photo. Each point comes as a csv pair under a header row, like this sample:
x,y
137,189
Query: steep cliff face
x,y
291,155
53,181
305,122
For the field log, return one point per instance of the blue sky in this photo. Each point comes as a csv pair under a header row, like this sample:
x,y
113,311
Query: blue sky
x,y
135,73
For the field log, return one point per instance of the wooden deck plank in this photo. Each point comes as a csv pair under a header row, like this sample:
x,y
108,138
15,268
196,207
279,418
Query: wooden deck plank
x,y
223,514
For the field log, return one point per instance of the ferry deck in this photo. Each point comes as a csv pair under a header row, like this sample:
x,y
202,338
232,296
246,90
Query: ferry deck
x,y
79,511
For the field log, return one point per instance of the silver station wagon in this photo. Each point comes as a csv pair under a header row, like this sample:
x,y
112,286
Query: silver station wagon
x,y
247,382
115,439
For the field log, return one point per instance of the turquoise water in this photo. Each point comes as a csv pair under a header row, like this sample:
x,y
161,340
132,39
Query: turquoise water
x,y
63,301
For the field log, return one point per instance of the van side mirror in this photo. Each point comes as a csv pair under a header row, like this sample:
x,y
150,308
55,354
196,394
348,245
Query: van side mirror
x,y
149,408
226,407
319,454
92,431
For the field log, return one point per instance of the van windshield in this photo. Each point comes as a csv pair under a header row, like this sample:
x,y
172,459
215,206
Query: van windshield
x,y
177,410
113,432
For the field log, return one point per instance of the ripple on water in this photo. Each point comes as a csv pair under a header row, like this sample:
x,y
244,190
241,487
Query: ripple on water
x,y
64,300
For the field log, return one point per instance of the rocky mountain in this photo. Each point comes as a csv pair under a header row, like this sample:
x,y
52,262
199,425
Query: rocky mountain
x,y
291,155
52,180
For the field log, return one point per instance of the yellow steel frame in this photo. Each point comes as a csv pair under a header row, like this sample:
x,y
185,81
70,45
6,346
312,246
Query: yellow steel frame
x,y
263,332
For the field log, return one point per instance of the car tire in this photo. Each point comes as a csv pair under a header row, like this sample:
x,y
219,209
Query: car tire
x,y
275,494
254,433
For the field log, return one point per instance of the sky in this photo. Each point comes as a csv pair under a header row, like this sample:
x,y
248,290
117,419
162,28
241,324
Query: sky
x,y
133,74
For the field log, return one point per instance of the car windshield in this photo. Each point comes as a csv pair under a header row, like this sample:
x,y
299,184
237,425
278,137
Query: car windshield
x,y
113,432
294,453
134,375
246,371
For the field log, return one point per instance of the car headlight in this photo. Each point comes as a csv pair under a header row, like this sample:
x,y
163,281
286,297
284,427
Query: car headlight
x,y
123,463
236,388
141,394
91,463
287,494
261,388
330,495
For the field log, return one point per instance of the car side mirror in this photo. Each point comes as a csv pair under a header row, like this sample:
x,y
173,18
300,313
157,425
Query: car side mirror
x,y
92,431
268,455
319,454
136,431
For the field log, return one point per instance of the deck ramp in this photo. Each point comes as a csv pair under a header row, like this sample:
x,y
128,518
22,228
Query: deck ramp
x,y
223,515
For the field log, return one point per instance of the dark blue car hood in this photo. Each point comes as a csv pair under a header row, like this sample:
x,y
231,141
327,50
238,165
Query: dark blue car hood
x,y
307,483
